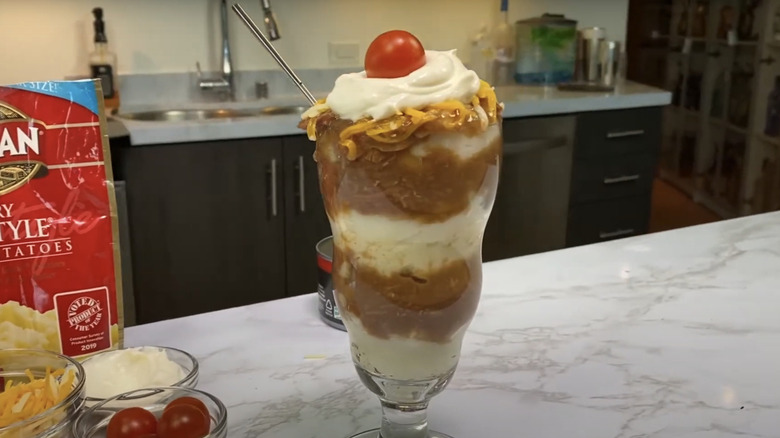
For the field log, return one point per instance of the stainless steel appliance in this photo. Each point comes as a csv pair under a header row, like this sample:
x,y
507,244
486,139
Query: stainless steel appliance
x,y
531,209
609,62
588,59
598,62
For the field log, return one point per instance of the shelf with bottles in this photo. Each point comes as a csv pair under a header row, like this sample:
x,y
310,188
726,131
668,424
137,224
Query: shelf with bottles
x,y
727,21
765,193
722,169
697,45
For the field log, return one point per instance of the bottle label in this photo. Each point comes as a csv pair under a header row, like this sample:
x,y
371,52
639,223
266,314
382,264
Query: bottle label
x,y
105,73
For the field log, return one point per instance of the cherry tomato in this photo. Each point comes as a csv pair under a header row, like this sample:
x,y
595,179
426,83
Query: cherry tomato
x,y
131,423
183,421
394,54
190,401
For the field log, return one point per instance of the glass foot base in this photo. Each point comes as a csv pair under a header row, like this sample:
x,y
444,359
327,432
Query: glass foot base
x,y
374,433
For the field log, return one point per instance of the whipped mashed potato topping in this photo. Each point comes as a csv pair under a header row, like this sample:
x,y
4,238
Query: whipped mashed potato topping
x,y
115,372
443,77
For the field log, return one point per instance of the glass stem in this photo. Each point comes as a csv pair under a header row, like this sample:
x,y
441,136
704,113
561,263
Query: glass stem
x,y
404,420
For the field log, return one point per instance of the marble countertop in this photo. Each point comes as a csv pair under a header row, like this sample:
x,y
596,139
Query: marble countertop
x,y
519,101
673,334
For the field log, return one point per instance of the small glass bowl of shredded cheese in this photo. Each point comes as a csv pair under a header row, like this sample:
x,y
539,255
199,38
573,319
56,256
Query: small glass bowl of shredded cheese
x,y
110,373
42,392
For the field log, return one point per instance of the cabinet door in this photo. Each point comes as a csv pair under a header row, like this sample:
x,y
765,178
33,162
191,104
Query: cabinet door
x,y
207,228
305,220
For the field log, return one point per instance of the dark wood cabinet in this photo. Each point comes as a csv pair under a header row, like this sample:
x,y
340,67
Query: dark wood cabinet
x,y
221,224
615,156
205,234
305,220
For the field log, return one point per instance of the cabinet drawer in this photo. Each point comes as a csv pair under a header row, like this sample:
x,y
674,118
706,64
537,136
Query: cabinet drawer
x,y
608,220
600,178
619,132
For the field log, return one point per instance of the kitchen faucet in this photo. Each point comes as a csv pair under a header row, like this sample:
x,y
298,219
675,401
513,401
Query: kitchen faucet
x,y
270,20
225,83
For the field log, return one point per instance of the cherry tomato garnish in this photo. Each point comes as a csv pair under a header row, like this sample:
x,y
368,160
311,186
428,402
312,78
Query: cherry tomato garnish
x,y
183,421
190,401
394,54
131,423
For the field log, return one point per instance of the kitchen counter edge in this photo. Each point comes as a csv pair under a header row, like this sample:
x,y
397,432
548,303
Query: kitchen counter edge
x,y
519,102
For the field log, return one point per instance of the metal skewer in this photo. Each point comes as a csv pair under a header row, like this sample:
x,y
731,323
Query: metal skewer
x,y
277,57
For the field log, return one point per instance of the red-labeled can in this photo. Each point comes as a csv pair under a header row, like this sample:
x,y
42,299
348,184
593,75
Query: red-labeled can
x,y
329,310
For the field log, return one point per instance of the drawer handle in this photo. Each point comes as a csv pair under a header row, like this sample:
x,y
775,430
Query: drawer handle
x,y
534,145
616,233
621,179
301,185
624,134
274,203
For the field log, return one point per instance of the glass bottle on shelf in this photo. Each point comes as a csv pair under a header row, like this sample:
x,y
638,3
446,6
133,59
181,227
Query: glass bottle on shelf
x,y
739,97
772,126
687,154
764,188
747,19
102,64
726,24
731,169
718,92
711,183
699,28
677,93
682,25
776,25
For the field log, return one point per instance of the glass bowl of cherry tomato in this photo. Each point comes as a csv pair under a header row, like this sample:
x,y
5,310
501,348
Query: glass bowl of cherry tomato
x,y
169,412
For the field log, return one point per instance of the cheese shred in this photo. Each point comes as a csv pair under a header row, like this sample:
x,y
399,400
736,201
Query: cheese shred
x,y
22,401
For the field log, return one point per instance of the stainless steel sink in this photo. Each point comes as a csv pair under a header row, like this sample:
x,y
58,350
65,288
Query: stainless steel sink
x,y
178,115
277,110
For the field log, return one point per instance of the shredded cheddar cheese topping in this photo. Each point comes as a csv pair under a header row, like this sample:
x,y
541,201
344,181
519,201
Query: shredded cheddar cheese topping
x,y
404,124
22,401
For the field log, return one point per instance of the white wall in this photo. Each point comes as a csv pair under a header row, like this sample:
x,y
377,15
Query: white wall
x,y
50,39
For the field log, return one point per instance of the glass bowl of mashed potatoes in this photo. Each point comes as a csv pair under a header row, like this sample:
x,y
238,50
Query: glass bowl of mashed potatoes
x,y
42,392
110,373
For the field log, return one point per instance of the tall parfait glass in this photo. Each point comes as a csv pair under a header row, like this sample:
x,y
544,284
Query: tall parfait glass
x,y
408,193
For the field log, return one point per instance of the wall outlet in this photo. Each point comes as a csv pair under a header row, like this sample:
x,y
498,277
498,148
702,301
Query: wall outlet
x,y
343,53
